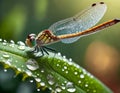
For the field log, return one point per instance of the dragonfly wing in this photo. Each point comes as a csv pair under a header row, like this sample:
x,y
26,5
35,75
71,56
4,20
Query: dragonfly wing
x,y
80,22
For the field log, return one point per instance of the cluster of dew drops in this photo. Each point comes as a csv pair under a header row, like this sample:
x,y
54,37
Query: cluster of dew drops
x,y
21,46
32,65
69,86
65,85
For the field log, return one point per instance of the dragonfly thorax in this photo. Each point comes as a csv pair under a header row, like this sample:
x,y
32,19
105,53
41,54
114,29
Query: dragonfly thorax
x,y
46,37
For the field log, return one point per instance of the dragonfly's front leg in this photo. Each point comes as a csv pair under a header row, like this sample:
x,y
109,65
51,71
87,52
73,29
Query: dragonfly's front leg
x,y
38,49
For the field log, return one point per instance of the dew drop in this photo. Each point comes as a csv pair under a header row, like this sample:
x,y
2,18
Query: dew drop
x,y
66,72
5,70
82,76
31,81
38,74
70,87
51,80
4,43
12,43
70,63
5,55
79,81
65,81
18,69
59,54
84,71
29,72
38,79
58,65
63,87
65,67
64,57
91,76
58,89
38,89
77,66
42,71
22,66
9,61
42,83
70,59
86,85
0,40
63,70
63,84
32,64
21,45
50,88
75,73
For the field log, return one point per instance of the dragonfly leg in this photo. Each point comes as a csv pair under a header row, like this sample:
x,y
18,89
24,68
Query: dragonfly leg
x,y
45,50
36,49
42,51
51,49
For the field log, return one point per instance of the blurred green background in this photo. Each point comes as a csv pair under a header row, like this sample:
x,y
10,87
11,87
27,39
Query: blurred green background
x,y
98,53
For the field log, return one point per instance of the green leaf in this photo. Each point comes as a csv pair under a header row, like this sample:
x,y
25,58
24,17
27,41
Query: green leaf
x,y
52,71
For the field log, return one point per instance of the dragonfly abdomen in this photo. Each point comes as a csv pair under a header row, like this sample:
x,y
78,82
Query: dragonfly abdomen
x,y
91,30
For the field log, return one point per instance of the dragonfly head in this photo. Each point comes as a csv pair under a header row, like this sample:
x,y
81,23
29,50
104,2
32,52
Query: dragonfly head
x,y
30,40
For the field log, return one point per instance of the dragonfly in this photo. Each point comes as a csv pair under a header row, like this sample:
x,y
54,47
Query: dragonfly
x,y
71,29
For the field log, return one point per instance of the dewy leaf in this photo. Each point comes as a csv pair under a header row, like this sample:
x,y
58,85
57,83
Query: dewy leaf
x,y
52,71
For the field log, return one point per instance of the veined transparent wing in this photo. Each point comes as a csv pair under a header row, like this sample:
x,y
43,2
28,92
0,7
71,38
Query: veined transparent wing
x,y
80,22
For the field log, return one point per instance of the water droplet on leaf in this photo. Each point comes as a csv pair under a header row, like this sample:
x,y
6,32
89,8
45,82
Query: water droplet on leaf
x,y
0,40
42,84
70,87
59,54
38,89
21,45
38,79
5,55
70,59
58,89
82,76
65,67
4,43
31,81
32,64
42,71
51,80
5,70
28,72
86,85
66,72
12,43
79,81
75,73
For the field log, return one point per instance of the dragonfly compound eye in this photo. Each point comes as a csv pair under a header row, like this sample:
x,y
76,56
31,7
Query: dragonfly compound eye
x,y
30,41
